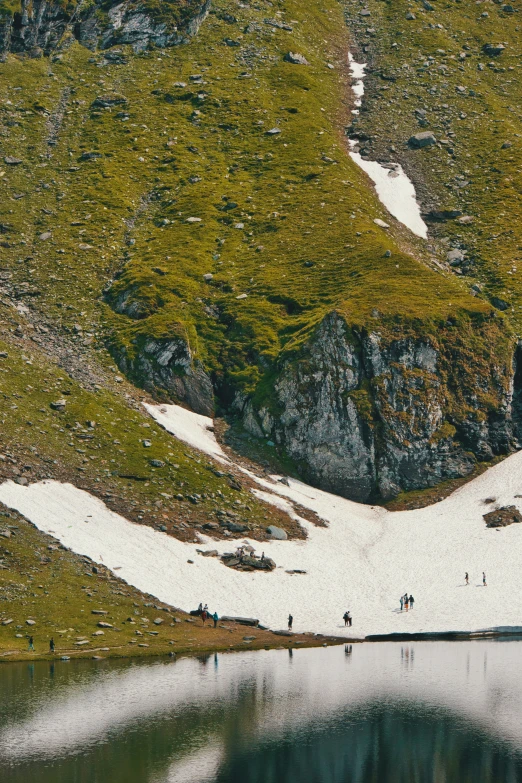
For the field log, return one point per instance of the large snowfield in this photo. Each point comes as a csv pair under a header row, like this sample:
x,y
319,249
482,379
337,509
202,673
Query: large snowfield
x,y
363,561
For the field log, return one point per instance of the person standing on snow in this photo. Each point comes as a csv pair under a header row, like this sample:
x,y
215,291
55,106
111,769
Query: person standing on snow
x,y
406,601
345,618
402,602
412,601
484,579
466,577
290,622
349,619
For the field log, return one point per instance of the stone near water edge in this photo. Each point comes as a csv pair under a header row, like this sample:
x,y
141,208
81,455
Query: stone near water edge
x,y
277,532
241,620
420,140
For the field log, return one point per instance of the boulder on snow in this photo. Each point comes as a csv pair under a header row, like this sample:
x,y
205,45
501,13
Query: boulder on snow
x,y
502,517
277,533
425,139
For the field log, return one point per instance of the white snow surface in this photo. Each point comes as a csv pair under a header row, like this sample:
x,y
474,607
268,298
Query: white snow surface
x,y
393,186
363,561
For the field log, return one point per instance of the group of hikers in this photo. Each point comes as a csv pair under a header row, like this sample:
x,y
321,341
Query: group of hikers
x,y
205,615
31,645
406,602
484,582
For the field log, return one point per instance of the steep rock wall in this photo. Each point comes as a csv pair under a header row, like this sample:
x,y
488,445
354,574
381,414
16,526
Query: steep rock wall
x,y
367,415
40,26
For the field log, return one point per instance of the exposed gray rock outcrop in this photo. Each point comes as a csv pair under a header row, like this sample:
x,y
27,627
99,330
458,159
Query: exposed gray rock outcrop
x,y
41,26
167,364
364,417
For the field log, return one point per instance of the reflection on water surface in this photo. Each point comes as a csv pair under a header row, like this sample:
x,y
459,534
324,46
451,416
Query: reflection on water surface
x,y
437,712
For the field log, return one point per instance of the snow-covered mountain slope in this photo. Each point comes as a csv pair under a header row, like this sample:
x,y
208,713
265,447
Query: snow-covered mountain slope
x,y
362,561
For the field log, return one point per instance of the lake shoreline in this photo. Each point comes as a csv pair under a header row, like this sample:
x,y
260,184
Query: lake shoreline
x,y
296,641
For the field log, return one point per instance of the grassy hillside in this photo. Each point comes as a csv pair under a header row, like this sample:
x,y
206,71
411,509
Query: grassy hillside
x,y
442,71
148,195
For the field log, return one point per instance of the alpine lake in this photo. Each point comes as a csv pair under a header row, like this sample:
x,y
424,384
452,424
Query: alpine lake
x,y
437,712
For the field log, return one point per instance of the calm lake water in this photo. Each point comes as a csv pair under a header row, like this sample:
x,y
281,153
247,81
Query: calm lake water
x,y
439,712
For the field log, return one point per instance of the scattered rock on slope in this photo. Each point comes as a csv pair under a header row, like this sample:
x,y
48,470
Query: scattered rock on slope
x,y
296,58
420,140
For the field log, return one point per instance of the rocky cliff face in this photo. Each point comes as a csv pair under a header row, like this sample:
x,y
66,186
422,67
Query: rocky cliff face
x,y
41,26
367,416
167,365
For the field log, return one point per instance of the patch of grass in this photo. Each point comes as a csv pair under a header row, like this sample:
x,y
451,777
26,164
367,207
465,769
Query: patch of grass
x,y
439,78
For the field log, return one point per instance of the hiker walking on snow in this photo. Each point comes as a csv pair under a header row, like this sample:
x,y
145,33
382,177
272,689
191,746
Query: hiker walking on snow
x,y
412,601
402,602
466,577
349,619
290,622
345,618
484,579
406,602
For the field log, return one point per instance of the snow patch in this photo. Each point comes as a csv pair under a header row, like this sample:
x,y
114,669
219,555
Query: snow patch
x,y
363,561
393,187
